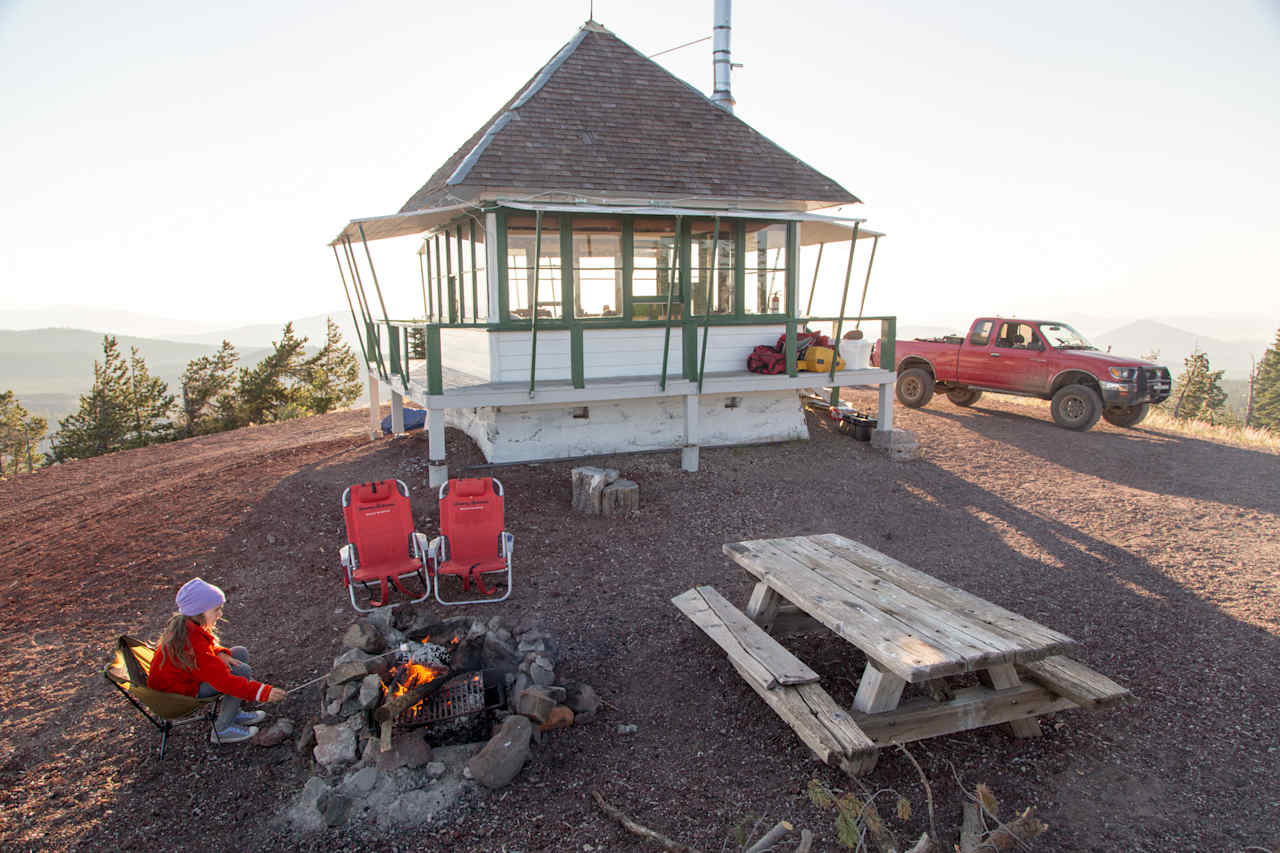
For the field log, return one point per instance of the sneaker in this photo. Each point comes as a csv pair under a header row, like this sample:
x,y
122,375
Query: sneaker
x,y
233,734
248,718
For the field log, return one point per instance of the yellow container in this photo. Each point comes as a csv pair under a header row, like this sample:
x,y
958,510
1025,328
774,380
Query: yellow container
x,y
818,359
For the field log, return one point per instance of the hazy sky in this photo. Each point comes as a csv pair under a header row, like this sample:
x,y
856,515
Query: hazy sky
x,y
193,160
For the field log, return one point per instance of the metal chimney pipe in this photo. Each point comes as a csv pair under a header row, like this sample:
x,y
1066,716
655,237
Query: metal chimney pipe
x,y
721,96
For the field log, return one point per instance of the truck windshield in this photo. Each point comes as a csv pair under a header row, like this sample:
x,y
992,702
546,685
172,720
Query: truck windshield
x,y
1062,336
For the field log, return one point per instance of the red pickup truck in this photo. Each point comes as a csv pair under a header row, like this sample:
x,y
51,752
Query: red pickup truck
x,y
1032,358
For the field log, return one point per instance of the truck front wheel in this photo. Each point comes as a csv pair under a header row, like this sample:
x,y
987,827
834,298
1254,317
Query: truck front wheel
x,y
964,396
1076,407
915,387
1126,416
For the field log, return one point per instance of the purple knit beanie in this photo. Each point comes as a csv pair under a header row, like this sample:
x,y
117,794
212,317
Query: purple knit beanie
x,y
197,596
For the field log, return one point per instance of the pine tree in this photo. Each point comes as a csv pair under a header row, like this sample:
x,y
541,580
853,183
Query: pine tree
x,y
332,375
264,393
20,433
103,421
206,385
1198,393
1266,389
150,405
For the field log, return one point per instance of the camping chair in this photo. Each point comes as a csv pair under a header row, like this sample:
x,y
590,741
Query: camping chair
x,y
382,545
472,540
128,671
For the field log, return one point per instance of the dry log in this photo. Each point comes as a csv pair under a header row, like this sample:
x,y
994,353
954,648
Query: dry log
x,y
1020,830
588,484
806,841
639,829
620,498
970,828
770,838
923,845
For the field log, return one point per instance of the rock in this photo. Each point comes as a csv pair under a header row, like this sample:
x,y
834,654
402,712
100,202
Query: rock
x,y
435,769
334,808
542,671
305,811
559,718
381,618
530,643
335,744
627,729
364,636
306,740
536,703
500,655
899,444
345,672
408,750
588,484
360,782
275,734
506,752
354,655
336,697
620,499
370,694
419,807
582,700
610,475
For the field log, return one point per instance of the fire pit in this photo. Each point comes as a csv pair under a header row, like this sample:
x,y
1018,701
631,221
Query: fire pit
x,y
417,695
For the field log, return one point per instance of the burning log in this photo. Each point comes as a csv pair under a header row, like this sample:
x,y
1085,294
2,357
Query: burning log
x,y
424,684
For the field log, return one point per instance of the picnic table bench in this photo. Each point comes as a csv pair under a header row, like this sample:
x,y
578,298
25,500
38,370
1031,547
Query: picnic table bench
x,y
912,628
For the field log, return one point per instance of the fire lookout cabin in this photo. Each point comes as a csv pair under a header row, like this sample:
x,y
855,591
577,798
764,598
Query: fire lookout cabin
x,y
595,265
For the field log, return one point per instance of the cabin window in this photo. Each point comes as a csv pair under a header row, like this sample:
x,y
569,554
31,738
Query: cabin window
x,y
655,271
765,260
981,334
1017,336
597,266
521,244
704,243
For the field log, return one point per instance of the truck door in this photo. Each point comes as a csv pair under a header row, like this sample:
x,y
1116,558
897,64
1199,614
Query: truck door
x,y
1022,361
975,364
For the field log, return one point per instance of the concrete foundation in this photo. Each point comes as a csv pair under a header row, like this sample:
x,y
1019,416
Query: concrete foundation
x,y
522,433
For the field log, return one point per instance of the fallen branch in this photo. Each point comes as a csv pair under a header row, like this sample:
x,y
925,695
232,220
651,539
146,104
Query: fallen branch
x,y
928,794
770,838
923,845
806,841
1020,830
639,829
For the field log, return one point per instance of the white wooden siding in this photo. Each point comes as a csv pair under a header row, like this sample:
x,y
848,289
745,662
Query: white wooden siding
x,y
467,350
629,352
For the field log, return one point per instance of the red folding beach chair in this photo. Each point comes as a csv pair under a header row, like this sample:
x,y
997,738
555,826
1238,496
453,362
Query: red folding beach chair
x,y
382,545
472,540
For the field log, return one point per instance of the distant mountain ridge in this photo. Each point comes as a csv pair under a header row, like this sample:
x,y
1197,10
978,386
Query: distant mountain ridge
x,y
1174,345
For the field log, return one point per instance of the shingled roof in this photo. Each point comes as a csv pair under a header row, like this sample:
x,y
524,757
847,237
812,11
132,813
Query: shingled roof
x,y
603,121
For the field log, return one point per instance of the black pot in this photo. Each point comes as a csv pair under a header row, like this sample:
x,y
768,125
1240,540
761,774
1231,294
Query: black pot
x,y
862,428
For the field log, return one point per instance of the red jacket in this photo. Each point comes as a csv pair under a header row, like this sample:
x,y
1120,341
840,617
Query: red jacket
x,y
168,676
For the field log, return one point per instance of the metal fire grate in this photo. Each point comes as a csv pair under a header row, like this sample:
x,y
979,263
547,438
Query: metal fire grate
x,y
462,696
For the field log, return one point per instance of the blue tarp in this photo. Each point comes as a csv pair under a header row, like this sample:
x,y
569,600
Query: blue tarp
x,y
413,419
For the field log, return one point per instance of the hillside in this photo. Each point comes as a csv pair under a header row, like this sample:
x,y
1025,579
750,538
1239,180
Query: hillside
x,y
1156,552
1174,345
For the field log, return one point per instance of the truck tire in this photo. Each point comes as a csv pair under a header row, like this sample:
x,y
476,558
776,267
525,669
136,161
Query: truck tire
x,y
964,396
1126,416
915,387
1076,407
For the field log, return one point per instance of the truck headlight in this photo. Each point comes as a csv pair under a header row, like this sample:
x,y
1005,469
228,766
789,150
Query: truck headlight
x,y
1126,374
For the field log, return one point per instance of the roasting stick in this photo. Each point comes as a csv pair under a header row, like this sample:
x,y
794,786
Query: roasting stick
x,y
404,647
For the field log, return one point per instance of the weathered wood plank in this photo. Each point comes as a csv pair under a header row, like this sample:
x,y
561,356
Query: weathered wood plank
x,y
877,690
895,645
742,639
1005,677
972,708
824,727
966,637
763,606
1071,679
1037,639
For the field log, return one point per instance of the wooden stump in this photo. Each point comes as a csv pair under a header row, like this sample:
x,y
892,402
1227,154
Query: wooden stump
x,y
621,497
588,484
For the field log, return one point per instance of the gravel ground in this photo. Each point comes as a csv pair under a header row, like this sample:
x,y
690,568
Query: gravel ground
x,y
1158,553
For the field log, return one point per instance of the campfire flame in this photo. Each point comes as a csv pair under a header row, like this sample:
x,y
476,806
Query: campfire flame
x,y
406,677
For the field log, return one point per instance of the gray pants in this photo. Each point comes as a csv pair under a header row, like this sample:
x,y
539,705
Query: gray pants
x,y
230,705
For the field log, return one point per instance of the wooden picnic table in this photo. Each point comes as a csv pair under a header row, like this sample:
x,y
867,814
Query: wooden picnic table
x,y
912,628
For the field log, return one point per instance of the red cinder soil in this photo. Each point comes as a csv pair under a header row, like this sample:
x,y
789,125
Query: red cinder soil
x,y
1158,553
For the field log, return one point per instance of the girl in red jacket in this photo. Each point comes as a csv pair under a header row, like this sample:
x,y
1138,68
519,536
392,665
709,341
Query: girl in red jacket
x,y
190,661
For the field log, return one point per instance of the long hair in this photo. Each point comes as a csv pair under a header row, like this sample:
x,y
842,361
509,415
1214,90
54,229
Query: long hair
x,y
174,643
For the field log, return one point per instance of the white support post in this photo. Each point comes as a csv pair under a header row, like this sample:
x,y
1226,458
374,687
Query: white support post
x,y
375,407
437,466
884,418
689,452
397,413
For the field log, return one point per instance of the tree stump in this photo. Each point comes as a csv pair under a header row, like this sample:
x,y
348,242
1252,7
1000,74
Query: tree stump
x,y
588,484
621,497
